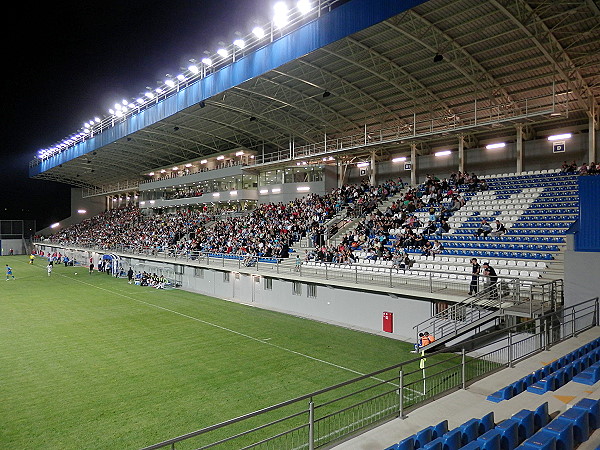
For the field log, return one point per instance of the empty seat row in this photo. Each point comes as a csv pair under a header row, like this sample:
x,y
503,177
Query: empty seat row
x,y
552,375
526,429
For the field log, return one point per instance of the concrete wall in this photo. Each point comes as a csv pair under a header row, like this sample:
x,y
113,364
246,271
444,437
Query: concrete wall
x,y
18,246
332,304
581,274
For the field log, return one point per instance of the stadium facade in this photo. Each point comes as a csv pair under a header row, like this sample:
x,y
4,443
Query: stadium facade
x,y
360,91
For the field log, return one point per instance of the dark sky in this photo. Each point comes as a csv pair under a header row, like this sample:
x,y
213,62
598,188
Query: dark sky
x,y
68,62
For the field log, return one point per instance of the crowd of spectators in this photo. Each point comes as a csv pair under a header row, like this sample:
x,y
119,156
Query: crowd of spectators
x,y
584,169
271,229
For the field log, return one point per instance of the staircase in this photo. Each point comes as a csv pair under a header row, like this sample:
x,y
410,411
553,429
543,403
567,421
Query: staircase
x,y
481,310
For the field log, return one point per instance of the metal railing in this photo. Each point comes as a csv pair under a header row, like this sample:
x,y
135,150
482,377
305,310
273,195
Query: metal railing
x,y
493,299
423,281
328,415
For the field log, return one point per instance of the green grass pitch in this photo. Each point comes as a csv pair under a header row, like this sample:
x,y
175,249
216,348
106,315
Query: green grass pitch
x,y
89,361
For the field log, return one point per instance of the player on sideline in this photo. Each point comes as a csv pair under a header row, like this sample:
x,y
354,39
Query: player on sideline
x,y
49,267
9,273
31,258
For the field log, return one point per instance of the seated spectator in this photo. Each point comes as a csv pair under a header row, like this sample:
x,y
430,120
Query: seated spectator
x,y
443,228
484,228
498,228
437,248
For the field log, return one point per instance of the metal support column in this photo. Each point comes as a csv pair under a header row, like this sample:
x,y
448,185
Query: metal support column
x,y
413,164
519,148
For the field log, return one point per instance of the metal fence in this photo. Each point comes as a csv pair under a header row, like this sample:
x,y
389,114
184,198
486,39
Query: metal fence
x,y
424,281
321,418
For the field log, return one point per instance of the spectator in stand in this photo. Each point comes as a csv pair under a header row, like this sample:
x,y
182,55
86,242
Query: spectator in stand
x,y
437,248
475,269
498,228
492,277
583,170
443,228
484,228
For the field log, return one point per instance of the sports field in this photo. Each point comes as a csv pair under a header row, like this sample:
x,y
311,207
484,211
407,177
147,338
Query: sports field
x,y
89,361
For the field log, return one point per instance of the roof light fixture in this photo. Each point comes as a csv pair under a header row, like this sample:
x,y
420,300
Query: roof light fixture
x,y
496,145
560,137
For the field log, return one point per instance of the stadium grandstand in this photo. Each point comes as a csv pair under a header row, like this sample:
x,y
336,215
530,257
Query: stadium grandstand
x,y
404,169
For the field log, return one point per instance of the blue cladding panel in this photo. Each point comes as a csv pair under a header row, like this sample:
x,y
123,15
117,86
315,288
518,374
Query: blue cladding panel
x,y
339,23
588,237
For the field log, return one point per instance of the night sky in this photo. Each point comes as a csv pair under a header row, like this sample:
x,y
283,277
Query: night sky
x,y
69,62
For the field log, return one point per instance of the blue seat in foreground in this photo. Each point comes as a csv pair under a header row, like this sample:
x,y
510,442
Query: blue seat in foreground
x,y
562,430
579,419
593,409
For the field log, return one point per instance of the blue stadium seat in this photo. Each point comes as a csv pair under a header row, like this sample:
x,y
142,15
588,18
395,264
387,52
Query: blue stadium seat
x,y
486,423
541,416
562,430
525,421
440,429
423,437
490,440
469,431
540,441
406,444
509,434
579,420
593,409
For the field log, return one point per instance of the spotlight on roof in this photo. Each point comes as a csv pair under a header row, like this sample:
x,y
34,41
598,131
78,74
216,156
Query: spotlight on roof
x,y
239,43
281,14
223,53
559,137
496,145
438,58
258,32
304,6
443,153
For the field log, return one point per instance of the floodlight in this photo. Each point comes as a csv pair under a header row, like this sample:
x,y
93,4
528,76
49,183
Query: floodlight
x,y
140,101
207,61
496,145
124,101
258,32
223,53
150,95
362,164
239,43
304,6
170,83
399,159
559,137
443,153
281,14
181,77
97,120
303,188
194,69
